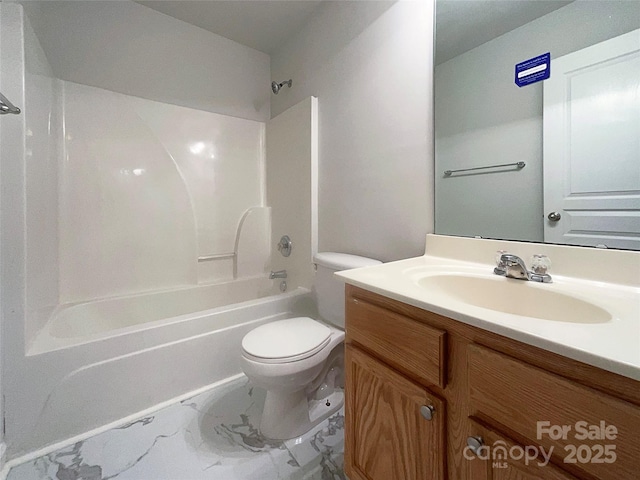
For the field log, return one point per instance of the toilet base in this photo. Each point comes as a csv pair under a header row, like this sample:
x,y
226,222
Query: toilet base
x,y
288,415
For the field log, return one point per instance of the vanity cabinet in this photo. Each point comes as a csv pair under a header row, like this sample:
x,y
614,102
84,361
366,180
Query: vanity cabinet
x,y
428,397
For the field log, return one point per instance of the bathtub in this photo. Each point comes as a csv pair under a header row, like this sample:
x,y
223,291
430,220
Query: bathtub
x,y
84,322
95,363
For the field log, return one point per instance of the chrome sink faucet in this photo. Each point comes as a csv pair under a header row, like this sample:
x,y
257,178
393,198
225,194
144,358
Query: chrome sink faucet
x,y
512,266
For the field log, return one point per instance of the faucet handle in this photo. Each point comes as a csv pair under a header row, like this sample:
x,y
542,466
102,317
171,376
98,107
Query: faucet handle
x,y
499,261
540,264
501,268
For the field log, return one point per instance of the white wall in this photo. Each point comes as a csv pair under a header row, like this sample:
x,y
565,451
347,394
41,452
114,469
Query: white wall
x,y
128,48
483,118
369,64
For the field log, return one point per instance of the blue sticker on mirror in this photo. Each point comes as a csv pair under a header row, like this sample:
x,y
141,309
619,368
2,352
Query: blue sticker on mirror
x,y
533,70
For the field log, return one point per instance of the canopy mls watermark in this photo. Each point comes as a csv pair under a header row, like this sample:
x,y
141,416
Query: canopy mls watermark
x,y
500,454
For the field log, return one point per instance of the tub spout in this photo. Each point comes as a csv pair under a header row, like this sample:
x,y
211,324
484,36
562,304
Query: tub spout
x,y
278,274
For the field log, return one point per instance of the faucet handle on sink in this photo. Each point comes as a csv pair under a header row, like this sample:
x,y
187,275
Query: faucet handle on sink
x,y
540,264
500,265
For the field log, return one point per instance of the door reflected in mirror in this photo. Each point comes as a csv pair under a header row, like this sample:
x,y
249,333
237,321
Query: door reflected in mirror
x,y
533,158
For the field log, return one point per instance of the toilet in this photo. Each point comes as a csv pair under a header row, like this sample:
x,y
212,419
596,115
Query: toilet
x,y
300,361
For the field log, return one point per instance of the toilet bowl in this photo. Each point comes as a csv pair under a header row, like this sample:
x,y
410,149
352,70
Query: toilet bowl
x,y
300,361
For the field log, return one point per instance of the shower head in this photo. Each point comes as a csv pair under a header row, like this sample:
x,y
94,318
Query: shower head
x,y
275,86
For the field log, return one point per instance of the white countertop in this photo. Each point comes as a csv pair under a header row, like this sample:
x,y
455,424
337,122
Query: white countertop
x,y
613,345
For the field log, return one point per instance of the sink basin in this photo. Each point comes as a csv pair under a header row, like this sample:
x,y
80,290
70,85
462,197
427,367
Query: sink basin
x,y
516,297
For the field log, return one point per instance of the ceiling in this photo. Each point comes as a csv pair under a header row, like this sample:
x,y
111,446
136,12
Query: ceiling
x,y
265,25
261,24
462,25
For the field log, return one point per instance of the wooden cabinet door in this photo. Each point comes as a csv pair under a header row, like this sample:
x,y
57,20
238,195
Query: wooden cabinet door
x,y
498,459
387,437
518,395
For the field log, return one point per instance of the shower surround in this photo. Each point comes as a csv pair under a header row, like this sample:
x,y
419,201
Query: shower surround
x,y
144,191
136,234
144,186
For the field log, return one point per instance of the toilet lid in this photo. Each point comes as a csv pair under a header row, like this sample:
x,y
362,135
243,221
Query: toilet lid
x,y
298,337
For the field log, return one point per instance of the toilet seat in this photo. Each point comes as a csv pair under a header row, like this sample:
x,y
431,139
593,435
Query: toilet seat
x,y
285,341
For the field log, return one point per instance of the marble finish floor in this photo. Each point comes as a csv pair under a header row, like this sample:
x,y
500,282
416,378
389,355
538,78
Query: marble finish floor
x,y
210,436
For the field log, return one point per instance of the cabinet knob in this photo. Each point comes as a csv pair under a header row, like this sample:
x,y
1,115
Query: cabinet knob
x,y
427,411
474,444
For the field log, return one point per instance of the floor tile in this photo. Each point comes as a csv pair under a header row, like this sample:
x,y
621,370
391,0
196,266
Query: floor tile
x,y
211,436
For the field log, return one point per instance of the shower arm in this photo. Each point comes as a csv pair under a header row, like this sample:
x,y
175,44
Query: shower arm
x,y
275,86
7,107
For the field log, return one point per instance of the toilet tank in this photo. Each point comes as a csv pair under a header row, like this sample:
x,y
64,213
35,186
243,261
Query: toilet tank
x,y
329,288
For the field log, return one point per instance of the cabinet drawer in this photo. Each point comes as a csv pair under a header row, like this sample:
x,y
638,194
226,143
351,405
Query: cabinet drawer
x,y
529,401
500,458
413,347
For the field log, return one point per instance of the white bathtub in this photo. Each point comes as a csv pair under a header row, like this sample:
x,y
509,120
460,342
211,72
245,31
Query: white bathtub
x,y
90,321
95,363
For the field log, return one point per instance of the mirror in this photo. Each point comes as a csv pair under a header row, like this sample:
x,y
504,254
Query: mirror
x,y
520,156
